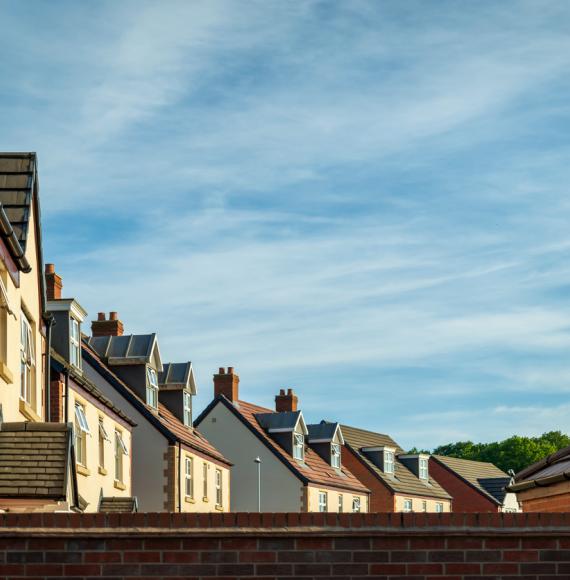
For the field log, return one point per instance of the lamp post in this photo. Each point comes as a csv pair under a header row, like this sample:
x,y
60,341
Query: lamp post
x,y
258,461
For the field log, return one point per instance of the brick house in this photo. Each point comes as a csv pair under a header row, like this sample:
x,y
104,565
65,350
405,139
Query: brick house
x,y
476,486
300,466
398,482
174,468
544,486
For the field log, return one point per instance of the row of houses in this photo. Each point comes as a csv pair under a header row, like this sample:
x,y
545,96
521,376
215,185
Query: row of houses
x,y
93,419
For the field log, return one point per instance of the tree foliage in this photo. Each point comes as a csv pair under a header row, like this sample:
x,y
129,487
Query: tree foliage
x,y
514,453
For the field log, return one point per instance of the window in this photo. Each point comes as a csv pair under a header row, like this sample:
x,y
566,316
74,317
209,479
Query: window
x,y
219,498
322,501
298,446
74,343
189,477
205,479
27,360
81,432
388,461
5,310
151,388
408,505
340,503
187,409
102,438
335,455
439,507
120,452
424,474
424,506
356,504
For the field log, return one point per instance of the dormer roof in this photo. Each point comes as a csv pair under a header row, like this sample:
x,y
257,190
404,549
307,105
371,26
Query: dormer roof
x,y
325,432
177,376
282,422
128,349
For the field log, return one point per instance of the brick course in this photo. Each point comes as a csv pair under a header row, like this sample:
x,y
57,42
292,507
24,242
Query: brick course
x,y
381,546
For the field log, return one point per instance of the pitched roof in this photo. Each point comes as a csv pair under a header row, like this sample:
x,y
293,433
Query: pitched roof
x,y
118,505
548,471
273,422
403,480
323,431
177,375
127,347
164,420
485,477
312,470
58,360
35,459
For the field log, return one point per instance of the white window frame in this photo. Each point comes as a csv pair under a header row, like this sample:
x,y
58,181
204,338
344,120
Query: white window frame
x,y
335,455
389,461
120,451
81,431
340,503
187,408
151,387
424,506
298,446
189,477
439,507
408,505
27,360
423,468
103,436
356,505
205,490
323,501
75,342
219,489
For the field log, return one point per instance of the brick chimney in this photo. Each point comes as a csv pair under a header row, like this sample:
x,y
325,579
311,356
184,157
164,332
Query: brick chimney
x,y
53,283
226,384
104,327
286,401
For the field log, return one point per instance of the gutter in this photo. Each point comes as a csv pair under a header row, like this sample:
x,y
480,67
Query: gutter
x,y
541,482
7,231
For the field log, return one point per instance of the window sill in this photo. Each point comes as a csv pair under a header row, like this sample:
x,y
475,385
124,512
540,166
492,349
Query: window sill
x,y
189,499
220,508
119,485
102,471
28,412
82,470
6,373
205,500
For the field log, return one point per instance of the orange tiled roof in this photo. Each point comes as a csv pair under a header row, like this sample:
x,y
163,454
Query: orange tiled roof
x,y
314,469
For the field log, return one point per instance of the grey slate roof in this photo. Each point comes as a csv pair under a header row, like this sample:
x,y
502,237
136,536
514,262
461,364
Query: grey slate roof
x,y
118,505
403,481
548,471
17,174
35,459
322,431
486,477
176,375
282,421
136,347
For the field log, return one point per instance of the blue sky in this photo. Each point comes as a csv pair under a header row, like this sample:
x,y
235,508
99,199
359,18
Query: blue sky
x,y
365,201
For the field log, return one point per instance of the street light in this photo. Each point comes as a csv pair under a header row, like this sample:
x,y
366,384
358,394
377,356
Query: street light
x,y
258,461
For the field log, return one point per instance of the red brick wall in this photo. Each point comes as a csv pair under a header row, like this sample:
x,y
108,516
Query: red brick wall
x,y
383,546
381,498
555,503
465,498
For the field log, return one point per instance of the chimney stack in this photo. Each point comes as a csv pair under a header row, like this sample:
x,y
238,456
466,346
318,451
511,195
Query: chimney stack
x,y
104,327
226,384
53,283
285,402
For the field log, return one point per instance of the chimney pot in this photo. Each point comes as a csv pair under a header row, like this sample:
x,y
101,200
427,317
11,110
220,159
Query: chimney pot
x,y
50,269
113,316
282,392
221,371
227,384
286,402
101,316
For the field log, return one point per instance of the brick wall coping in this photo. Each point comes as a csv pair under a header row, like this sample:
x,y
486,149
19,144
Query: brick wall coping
x,y
255,524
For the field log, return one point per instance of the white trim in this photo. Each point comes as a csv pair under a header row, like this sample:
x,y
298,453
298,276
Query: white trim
x,y
67,305
379,448
121,443
81,418
103,431
4,294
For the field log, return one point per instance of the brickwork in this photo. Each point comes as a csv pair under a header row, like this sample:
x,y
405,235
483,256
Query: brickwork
x,y
171,479
465,498
56,400
271,546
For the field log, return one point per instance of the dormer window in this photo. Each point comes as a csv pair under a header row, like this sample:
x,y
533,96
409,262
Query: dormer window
x,y
151,388
423,468
74,343
187,409
335,455
388,461
298,446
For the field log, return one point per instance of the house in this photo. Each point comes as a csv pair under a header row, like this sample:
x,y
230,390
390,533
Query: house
x,y
102,431
398,482
37,464
173,467
544,486
475,486
280,463
22,295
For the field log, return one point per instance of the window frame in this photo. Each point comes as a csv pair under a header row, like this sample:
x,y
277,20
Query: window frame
x,y
151,387
439,507
219,488
75,342
335,455
81,429
187,408
389,459
423,468
408,505
205,490
103,436
27,360
298,446
120,452
189,477
356,505
323,501
340,503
